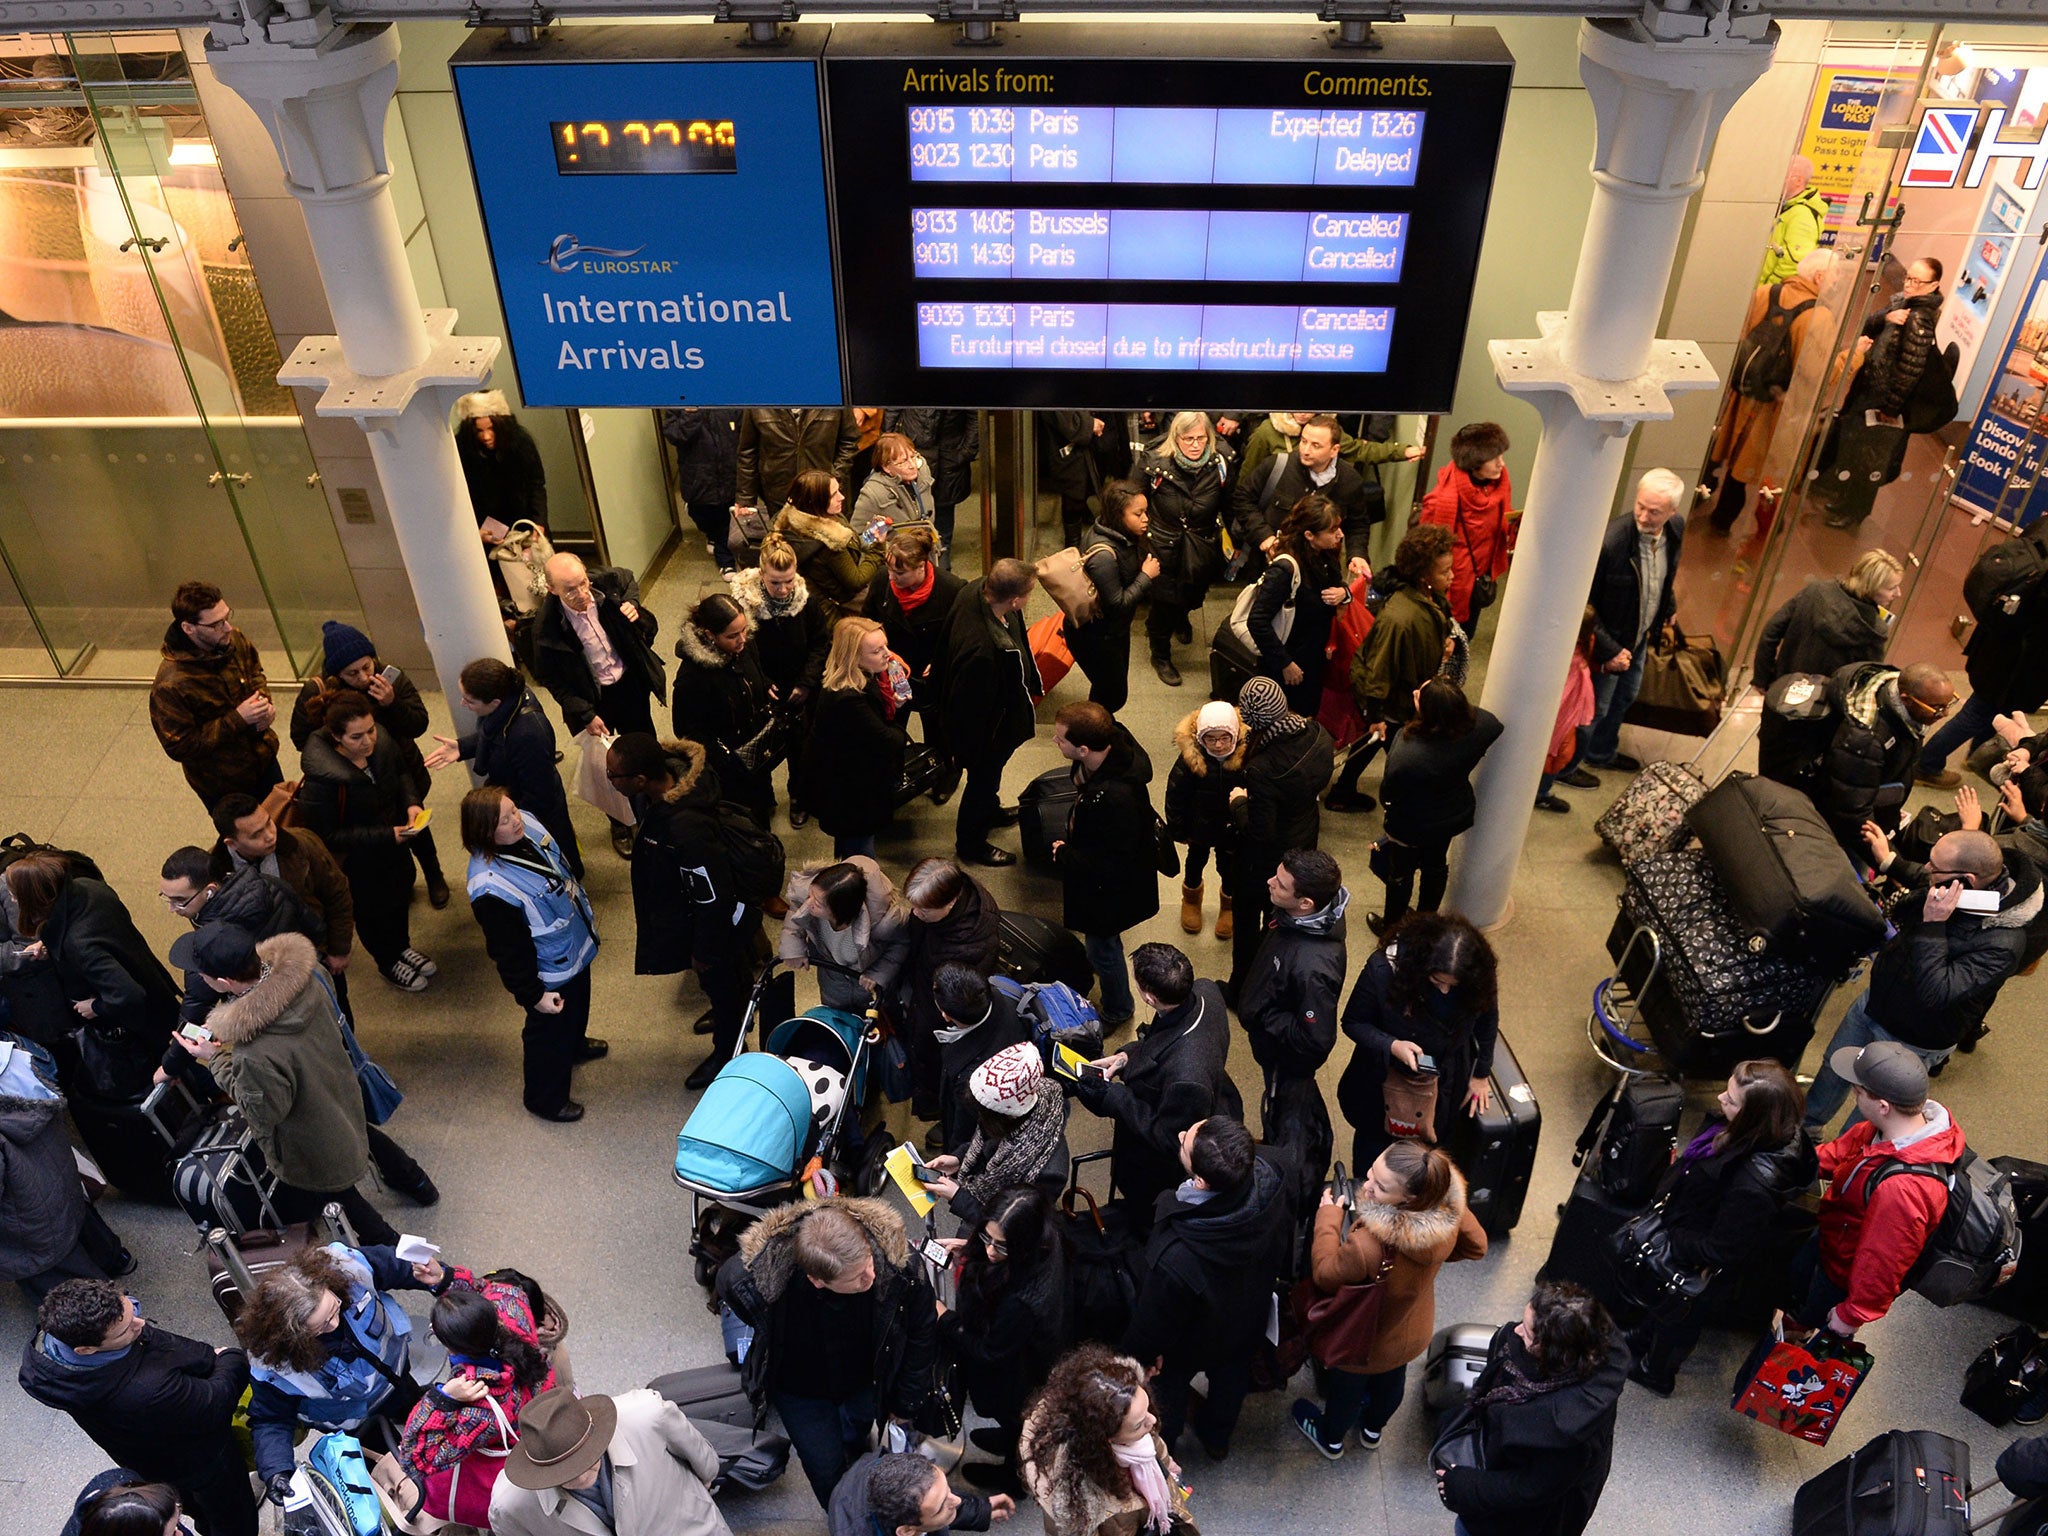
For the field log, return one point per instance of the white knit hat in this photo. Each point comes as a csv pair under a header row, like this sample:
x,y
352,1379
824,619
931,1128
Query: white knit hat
x,y
1008,1082
1217,715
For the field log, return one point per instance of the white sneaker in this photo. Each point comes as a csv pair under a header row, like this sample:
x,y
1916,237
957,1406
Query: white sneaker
x,y
405,977
420,963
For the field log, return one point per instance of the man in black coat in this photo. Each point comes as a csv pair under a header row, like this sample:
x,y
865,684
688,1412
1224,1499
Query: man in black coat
x,y
1108,861
513,749
1288,762
707,444
992,690
1175,1073
1067,444
900,1493
593,649
2008,665
1288,1005
150,1399
1219,1245
845,1333
1632,602
1867,771
1312,464
975,1021
687,905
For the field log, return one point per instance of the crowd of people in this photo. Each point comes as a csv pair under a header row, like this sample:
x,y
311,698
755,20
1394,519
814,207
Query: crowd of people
x,y
833,631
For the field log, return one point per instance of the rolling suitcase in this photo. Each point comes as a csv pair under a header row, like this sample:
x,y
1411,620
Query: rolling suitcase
x,y
1906,1482
749,1456
1043,807
1497,1150
1628,1140
2025,1295
1030,948
1649,815
1579,1250
127,1141
708,1393
222,1180
1792,888
1713,1002
1456,1357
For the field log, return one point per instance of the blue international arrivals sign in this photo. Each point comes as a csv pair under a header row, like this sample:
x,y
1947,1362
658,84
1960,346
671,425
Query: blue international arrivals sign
x,y
2005,447
658,226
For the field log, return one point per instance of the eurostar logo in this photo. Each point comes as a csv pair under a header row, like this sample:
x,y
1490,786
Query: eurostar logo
x,y
567,253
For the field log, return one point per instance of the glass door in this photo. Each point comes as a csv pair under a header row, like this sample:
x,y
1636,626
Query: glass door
x,y
151,444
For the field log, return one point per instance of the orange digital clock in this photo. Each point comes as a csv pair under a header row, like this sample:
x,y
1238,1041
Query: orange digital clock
x,y
678,146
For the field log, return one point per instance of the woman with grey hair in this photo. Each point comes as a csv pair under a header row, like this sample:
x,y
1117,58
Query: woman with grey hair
x,y
1183,483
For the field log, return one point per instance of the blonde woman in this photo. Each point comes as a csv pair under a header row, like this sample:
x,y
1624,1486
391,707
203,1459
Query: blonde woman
x,y
853,762
1183,484
790,634
1828,625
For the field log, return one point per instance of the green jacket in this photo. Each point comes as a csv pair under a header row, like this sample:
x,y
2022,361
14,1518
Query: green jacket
x,y
1276,434
1794,237
285,1067
1404,650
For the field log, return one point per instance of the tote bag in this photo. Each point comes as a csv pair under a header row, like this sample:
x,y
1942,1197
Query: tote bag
x,y
462,1493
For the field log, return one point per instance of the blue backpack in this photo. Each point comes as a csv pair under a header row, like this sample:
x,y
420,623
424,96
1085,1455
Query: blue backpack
x,y
1058,1015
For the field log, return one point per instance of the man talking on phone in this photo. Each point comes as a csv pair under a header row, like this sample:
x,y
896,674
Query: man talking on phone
x,y
1958,936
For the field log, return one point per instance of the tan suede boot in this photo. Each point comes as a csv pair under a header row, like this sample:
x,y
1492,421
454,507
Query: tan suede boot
x,y
1226,922
1191,908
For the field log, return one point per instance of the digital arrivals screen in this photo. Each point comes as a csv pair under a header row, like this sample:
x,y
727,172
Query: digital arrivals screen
x,y
655,204
1303,221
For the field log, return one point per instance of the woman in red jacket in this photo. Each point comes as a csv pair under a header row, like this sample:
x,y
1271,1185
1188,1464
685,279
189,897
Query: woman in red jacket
x,y
1473,498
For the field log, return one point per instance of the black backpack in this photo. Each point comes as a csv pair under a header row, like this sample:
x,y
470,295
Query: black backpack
x,y
2003,576
756,856
1976,1247
1762,369
1635,1128
1798,727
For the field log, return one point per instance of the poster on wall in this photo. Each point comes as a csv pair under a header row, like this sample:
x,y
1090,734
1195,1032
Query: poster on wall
x,y
1848,103
2006,442
1978,277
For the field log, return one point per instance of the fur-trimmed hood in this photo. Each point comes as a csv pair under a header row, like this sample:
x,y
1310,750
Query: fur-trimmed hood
x,y
691,646
288,962
692,757
832,532
482,402
768,1248
746,591
1285,424
1196,759
1418,1234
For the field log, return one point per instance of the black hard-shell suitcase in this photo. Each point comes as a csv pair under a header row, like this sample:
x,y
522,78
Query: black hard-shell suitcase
x,y
126,1142
1628,1140
1906,1482
1579,1251
1496,1150
1713,1001
2025,1295
1043,807
1792,887
1031,948
709,1393
221,1179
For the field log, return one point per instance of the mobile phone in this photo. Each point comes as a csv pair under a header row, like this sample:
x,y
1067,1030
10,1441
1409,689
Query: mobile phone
x,y
196,1032
1977,901
1425,1064
389,674
918,1165
1071,1063
936,1253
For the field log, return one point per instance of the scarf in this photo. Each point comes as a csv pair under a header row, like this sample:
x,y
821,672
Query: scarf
x,y
1148,1478
913,599
1516,1385
986,1169
1193,465
1703,1145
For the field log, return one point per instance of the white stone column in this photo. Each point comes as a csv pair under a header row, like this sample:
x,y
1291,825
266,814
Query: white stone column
x,y
1597,371
323,92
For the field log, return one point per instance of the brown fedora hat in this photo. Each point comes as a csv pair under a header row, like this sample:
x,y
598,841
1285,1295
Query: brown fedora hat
x,y
561,1437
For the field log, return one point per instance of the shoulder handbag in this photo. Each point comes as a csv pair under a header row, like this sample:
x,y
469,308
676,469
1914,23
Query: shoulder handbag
x,y
1341,1326
1484,587
524,553
381,1096
462,1493
1461,1442
1649,1275
1240,623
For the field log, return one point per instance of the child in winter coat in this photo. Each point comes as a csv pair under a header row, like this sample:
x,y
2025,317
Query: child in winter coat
x,y
1208,764
1574,714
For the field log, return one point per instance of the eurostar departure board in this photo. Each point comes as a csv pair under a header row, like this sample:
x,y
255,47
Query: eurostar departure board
x,y
1142,205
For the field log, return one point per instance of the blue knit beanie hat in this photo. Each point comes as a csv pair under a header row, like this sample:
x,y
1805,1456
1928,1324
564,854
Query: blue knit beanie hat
x,y
343,643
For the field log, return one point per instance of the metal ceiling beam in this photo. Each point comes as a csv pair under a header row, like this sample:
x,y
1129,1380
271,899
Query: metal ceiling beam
x,y
134,15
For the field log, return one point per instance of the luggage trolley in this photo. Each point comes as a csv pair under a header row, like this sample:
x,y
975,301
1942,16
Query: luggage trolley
x,y
1616,1027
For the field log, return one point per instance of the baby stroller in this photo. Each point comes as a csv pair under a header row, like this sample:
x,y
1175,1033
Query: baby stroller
x,y
779,1123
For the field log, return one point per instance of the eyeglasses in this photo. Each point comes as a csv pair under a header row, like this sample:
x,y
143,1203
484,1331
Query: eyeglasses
x,y
995,1245
225,621
178,904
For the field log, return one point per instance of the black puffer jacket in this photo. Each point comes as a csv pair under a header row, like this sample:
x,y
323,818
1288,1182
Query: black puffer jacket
x,y
790,638
163,1408
1934,982
1822,629
1449,1027
1876,743
354,810
1901,353
1184,502
685,904
1288,1004
261,907
707,444
950,441
1210,1270
1719,1206
1198,788
1285,777
513,747
1107,861
720,700
966,936
1546,1459
404,719
852,763
1114,560
1177,1072
754,1281
1427,786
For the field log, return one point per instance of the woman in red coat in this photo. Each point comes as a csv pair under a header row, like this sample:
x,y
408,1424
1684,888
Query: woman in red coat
x,y
1472,498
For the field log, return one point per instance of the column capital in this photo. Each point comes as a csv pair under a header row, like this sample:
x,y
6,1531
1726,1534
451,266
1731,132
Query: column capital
x,y
321,90
1658,101
454,366
1538,367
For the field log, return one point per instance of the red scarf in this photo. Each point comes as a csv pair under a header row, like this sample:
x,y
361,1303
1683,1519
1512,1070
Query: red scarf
x,y
913,599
